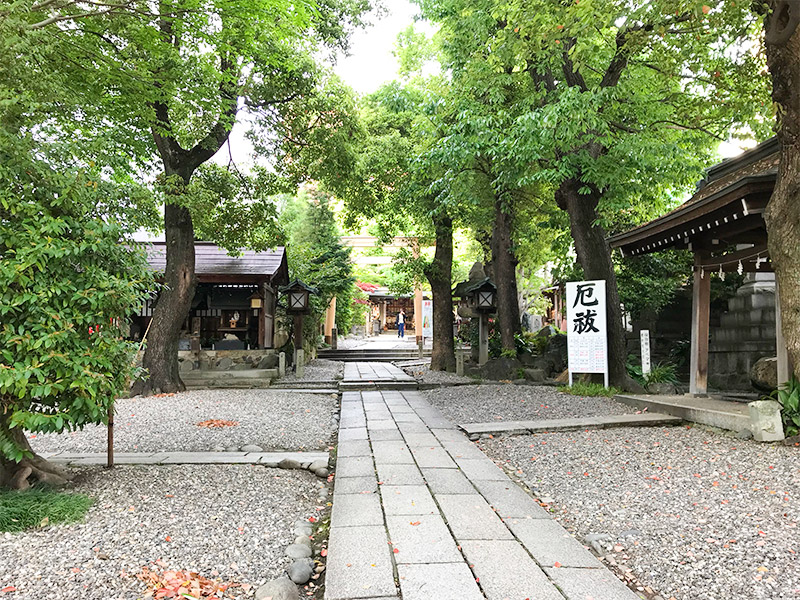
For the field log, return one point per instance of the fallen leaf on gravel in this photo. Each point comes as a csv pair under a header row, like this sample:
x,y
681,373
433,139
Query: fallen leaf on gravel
x,y
8,588
414,523
323,552
214,423
556,564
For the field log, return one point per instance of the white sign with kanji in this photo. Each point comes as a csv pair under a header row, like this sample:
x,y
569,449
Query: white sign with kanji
x,y
587,335
427,318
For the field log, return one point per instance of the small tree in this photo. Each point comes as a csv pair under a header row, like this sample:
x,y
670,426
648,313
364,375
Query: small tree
x,y
68,282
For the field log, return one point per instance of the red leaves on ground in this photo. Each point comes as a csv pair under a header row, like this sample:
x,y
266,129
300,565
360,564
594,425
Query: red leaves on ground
x,y
7,589
182,584
163,395
212,423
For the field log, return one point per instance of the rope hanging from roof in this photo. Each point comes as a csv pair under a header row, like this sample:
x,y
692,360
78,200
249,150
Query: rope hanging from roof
x,y
713,266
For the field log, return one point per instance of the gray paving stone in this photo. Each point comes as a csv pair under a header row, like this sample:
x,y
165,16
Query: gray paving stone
x,y
359,564
385,434
598,584
447,481
510,501
506,571
407,500
449,435
549,543
375,412
399,409
463,449
471,518
407,428
352,421
408,417
446,581
353,448
421,538
434,457
391,452
381,424
353,510
481,469
355,485
399,475
424,438
352,433
438,423
354,466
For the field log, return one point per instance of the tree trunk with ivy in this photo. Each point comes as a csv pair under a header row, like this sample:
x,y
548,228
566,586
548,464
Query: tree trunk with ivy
x,y
782,215
439,275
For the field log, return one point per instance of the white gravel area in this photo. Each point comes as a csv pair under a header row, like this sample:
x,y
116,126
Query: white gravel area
x,y
696,514
223,522
272,420
508,402
424,374
318,369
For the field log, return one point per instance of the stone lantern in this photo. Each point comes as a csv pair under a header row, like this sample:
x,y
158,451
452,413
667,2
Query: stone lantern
x,y
298,303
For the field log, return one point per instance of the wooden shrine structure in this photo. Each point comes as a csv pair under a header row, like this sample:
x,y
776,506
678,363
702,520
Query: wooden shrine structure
x,y
235,302
722,224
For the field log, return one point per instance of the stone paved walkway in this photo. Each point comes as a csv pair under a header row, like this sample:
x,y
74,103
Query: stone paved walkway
x,y
419,512
374,375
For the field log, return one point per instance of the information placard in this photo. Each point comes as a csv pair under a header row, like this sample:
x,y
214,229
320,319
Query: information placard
x,y
644,338
587,335
427,318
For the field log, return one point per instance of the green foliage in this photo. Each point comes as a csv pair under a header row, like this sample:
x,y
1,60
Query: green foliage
x,y
661,372
508,353
69,279
648,283
582,388
37,508
789,398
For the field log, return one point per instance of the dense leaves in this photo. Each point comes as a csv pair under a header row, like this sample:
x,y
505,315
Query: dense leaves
x,y
68,283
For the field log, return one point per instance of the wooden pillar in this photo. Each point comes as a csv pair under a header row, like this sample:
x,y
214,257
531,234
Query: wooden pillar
x,y
483,339
382,314
701,308
784,364
418,313
298,332
330,319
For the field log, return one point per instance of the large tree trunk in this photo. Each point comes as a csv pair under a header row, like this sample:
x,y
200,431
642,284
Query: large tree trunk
x,y
174,300
783,211
21,475
504,274
594,256
439,274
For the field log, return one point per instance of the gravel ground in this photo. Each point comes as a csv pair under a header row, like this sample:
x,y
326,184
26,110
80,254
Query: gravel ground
x,y
424,374
696,514
226,522
508,402
318,369
272,420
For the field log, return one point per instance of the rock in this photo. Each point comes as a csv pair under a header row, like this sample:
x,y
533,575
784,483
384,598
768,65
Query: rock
x,y
241,367
764,374
270,361
520,381
322,473
218,449
278,589
252,448
630,533
303,530
765,421
318,464
224,364
187,366
474,437
744,434
502,368
289,463
303,539
298,551
537,375
662,389
300,572
232,449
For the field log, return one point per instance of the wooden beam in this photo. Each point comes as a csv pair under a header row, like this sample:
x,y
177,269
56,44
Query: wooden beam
x,y
701,308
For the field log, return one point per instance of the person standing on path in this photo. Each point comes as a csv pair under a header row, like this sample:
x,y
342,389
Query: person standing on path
x,y
401,324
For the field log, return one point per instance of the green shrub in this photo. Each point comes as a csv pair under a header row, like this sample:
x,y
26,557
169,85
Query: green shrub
x,y
661,372
789,398
40,507
581,388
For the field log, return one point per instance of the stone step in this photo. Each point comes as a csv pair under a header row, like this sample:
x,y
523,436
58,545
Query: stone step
x,y
202,375
715,412
270,459
307,385
545,425
347,386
